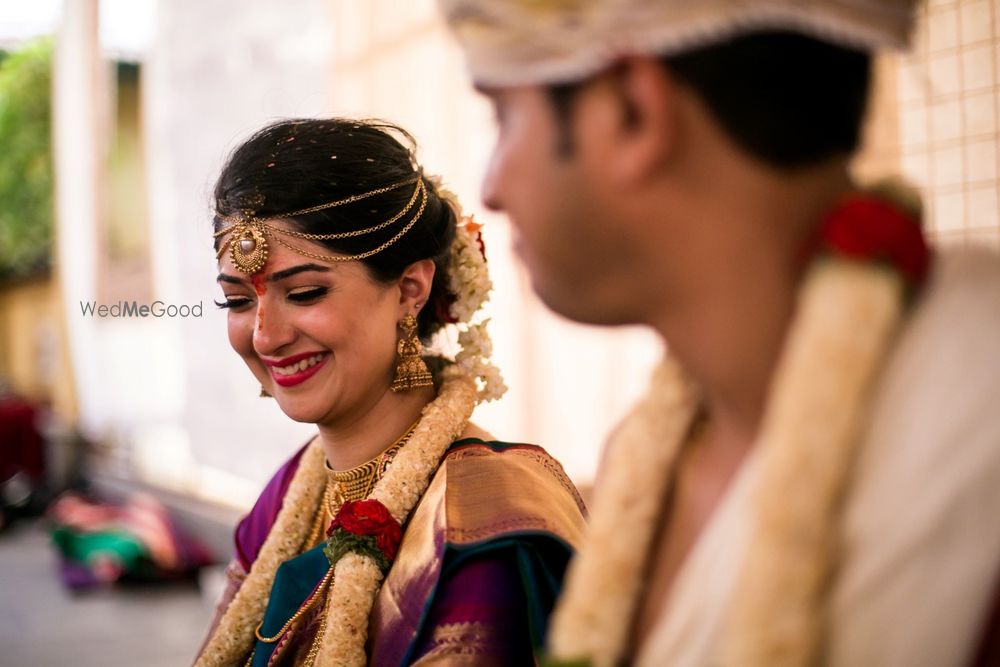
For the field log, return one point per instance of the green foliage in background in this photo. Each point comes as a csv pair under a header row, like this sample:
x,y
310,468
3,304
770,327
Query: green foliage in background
x,y
26,177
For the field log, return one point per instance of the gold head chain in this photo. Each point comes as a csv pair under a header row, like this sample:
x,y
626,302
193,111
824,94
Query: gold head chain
x,y
248,247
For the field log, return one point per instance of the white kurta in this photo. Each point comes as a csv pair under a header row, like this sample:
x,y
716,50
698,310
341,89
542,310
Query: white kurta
x,y
921,533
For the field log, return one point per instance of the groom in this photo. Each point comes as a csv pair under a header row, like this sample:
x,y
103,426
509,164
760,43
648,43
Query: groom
x,y
814,475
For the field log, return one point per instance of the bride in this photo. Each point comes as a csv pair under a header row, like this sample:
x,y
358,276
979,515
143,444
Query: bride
x,y
402,533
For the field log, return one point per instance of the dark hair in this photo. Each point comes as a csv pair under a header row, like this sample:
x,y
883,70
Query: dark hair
x,y
296,164
787,99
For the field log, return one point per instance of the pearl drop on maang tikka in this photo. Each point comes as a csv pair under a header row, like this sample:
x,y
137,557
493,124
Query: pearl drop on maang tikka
x,y
249,252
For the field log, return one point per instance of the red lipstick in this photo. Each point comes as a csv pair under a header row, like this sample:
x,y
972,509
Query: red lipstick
x,y
297,377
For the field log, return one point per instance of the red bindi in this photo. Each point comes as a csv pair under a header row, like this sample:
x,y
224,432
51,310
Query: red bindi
x,y
258,285
261,289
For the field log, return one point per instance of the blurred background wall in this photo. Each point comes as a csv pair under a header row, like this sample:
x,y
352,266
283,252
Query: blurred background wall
x,y
147,99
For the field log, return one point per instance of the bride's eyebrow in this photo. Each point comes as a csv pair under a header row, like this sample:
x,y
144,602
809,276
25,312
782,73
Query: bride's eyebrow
x,y
277,275
225,278
291,271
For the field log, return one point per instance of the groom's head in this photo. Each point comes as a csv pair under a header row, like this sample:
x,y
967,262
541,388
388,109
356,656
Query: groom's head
x,y
614,117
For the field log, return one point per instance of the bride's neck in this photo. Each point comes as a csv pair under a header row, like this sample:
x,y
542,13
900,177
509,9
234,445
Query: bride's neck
x,y
351,442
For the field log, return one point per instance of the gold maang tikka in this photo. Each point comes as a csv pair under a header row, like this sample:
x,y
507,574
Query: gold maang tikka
x,y
248,242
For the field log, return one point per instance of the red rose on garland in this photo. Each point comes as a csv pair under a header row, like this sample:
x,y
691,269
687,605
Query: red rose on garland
x,y
364,526
865,227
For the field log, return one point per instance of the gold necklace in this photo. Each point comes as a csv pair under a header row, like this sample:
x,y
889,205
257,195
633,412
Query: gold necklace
x,y
354,484
341,486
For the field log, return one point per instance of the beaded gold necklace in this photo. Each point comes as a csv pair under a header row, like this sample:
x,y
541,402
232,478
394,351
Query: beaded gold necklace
x,y
353,484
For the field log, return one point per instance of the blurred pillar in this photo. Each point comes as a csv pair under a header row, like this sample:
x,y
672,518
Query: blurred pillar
x,y
215,73
77,86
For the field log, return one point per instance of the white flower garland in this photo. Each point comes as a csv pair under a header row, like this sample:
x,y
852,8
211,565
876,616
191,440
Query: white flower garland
x,y
234,636
357,578
604,579
846,317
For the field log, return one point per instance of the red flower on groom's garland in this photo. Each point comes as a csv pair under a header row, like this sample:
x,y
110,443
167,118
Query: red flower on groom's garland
x,y
865,227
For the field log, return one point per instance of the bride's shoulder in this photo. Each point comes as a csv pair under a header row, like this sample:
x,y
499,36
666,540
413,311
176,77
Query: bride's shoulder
x,y
496,488
476,432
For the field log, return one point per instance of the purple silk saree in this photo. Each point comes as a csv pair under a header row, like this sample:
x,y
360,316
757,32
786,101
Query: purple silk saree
x,y
477,574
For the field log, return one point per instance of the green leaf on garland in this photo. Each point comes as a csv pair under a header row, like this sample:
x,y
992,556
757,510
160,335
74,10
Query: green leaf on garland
x,y
342,543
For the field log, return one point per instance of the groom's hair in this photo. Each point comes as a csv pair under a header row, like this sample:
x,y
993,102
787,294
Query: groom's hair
x,y
784,98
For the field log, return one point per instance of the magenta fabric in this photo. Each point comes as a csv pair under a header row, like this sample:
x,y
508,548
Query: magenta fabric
x,y
486,590
254,527
505,586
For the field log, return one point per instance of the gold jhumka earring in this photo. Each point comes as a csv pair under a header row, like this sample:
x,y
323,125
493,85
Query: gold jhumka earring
x,y
411,371
263,392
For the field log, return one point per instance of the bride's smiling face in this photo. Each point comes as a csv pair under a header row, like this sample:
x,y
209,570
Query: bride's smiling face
x,y
320,337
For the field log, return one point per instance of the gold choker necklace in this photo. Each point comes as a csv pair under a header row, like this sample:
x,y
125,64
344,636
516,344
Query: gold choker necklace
x,y
354,484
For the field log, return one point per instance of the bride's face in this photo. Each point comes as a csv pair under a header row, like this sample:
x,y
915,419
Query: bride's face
x,y
320,337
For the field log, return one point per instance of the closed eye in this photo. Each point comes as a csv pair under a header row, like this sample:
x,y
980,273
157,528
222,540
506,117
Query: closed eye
x,y
234,302
307,295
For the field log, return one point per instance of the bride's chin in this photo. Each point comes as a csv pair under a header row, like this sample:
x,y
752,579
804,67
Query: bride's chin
x,y
301,413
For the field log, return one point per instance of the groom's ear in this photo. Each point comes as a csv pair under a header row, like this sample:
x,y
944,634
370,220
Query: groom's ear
x,y
644,130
